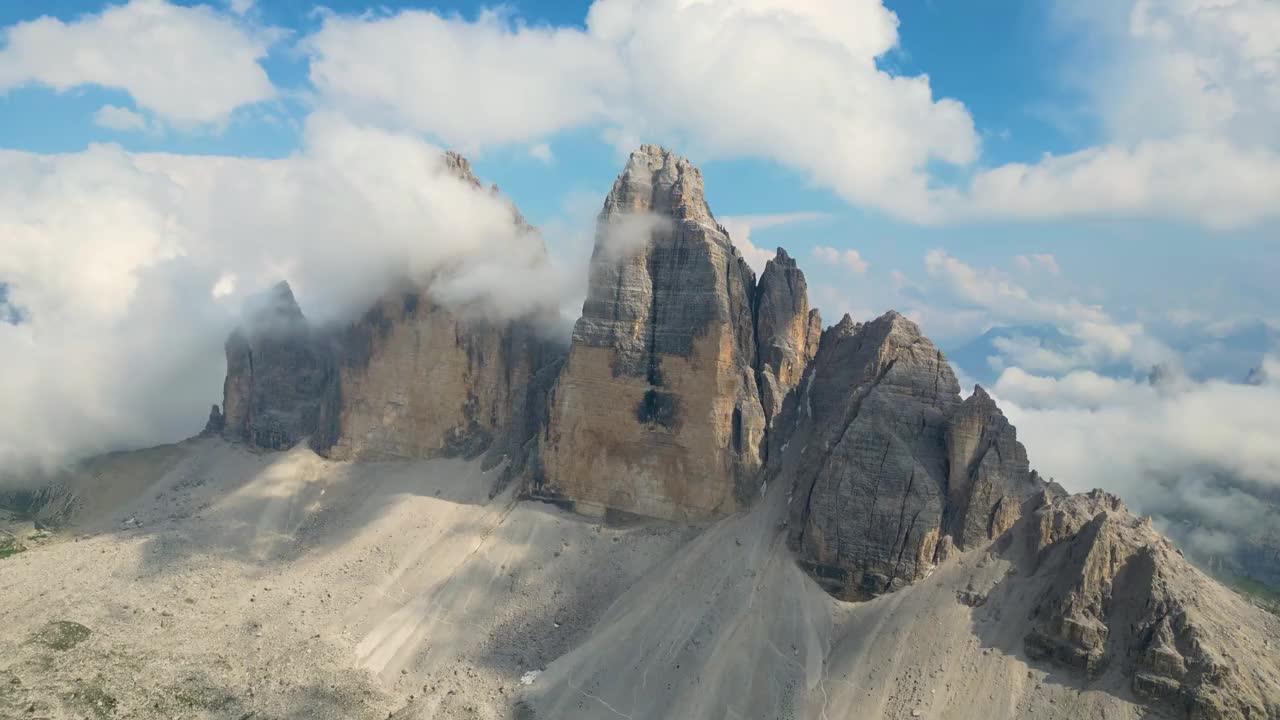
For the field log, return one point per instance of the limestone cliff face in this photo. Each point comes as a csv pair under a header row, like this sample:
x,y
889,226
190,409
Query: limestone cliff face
x,y
871,480
418,380
988,474
656,411
787,331
1119,602
410,379
277,374
893,472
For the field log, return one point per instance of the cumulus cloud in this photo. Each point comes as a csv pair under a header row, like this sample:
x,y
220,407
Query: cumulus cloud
x,y
674,71
849,259
114,117
1201,179
991,289
187,65
1211,154
470,84
668,70
131,269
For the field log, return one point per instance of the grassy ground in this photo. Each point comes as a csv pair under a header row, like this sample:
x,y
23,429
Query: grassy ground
x,y
1265,596
9,546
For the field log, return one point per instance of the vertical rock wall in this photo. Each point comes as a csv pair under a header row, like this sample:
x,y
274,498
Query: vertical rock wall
x,y
277,374
787,331
656,411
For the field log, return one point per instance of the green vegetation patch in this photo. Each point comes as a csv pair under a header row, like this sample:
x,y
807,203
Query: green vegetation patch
x,y
1266,596
61,635
202,695
10,546
94,699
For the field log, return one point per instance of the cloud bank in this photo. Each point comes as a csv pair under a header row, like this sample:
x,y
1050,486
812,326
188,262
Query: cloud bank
x,y
1200,456
131,269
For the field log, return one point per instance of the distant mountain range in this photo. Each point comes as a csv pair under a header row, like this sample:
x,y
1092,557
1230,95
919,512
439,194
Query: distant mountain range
x,y
1227,352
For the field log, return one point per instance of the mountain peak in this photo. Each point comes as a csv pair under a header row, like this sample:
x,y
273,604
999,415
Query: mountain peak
x,y
660,181
460,167
784,259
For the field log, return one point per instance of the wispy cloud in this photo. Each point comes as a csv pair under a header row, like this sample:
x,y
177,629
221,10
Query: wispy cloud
x,y
740,228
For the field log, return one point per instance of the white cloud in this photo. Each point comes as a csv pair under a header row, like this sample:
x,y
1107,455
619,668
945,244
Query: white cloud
x,y
225,286
541,152
1100,338
1209,65
1187,92
240,7
504,83
114,117
740,228
132,267
187,65
1159,448
666,70
835,302
673,71
1197,178
1047,263
850,259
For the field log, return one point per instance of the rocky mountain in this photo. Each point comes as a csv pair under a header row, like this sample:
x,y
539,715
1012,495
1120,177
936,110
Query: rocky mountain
x,y
410,378
278,374
797,464
657,411
1117,599
894,472
415,380
787,332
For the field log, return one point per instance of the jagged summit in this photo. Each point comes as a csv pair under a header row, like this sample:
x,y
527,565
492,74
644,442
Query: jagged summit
x,y
274,310
460,167
409,379
787,330
1118,604
659,181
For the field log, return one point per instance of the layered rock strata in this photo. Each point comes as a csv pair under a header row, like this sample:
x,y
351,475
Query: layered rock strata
x,y
988,475
1119,602
415,380
894,470
787,331
656,411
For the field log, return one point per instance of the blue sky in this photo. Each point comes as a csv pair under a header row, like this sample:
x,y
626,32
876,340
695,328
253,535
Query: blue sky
x,y
1034,82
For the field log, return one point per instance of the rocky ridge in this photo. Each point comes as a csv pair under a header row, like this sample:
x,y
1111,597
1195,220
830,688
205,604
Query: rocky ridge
x,y
688,388
410,378
1117,599
893,471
